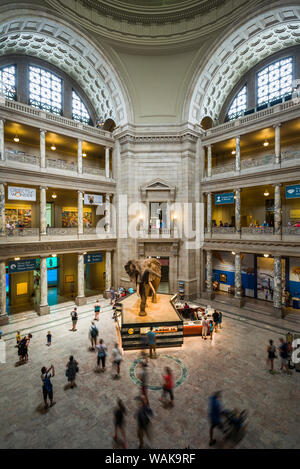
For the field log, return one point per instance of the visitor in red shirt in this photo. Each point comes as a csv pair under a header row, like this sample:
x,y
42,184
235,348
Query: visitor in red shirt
x,y
168,386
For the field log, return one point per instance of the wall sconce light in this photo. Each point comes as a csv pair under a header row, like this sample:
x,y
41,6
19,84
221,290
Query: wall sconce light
x,y
16,139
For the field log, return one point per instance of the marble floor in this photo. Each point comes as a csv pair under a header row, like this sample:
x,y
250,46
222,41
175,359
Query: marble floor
x,y
83,417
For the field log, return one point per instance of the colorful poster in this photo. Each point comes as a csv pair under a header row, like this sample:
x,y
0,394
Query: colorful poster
x,y
93,199
21,193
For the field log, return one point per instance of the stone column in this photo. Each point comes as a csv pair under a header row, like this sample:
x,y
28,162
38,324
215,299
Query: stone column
x,y
43,217
107,214
80,213
3,314
2,145
209,213
277,298
277,144
277,209
2,209
80,299
209,161
238,300
79,157
107,168
238,153
209,275
238,211
43,307
43,148
107,272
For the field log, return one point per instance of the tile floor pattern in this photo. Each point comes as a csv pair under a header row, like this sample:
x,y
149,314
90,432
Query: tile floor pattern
x,y
82,418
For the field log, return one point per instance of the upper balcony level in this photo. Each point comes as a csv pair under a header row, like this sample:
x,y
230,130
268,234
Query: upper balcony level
x,y
263,141
30,149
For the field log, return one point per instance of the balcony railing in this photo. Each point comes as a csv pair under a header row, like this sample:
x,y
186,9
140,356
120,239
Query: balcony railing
x,y
22,157
257,230
254,162
93,170
156,232
21,232
291,230
287,155
225,168
62,231
61,164
223,229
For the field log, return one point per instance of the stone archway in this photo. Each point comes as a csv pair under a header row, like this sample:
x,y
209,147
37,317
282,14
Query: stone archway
x,y
54,41
260,37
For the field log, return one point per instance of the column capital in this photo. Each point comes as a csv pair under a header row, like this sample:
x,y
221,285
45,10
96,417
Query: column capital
x,y
278,184
237,137
43,187
208,193
43,131
44,256
80,192
277,125
2,120
238,189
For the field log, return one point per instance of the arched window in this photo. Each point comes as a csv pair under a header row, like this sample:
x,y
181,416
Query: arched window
x,y
79,110
275,81
45,90
8,82
238,105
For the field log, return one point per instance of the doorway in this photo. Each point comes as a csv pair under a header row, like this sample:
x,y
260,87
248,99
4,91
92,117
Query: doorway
x,y
164,281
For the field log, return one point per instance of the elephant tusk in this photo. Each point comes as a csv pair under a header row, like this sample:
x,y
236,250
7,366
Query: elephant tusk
x,y
152,287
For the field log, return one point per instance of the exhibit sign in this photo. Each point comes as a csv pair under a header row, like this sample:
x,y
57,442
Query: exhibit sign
x,y
93,199
292,192
21,193
93,258
226,198
22,265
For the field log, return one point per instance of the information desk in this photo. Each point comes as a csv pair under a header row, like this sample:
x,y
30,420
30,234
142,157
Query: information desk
x,y
194,327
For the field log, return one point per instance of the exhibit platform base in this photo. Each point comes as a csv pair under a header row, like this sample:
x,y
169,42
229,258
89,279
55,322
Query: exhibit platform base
x,y
166,322
3,319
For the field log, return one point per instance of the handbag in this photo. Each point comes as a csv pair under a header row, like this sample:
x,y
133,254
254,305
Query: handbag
x,y
67,373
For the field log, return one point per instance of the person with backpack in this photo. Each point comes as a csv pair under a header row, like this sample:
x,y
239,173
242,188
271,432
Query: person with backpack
x,y
93,335
216,320
97,310
74,316
101,356
72,370
47,385
117,358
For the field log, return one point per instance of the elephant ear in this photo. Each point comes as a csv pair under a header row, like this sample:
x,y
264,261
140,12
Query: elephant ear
x,y
153,270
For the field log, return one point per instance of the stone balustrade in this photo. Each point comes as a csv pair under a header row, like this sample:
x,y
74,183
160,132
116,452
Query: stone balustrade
x,y
22,232
258,230
254,162
61,164
291,230
223,229
21,157
93,170
62,231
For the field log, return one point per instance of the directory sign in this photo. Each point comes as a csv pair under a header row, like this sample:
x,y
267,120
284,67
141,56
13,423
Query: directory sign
x,y
292,192
23,265
226,198
93,257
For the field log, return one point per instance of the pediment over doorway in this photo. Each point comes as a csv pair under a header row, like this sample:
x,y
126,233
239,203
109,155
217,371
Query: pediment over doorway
x,y
158,187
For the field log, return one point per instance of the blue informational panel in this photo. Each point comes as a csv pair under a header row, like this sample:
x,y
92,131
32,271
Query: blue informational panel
x,y
22,265
93,257
292,192
226,198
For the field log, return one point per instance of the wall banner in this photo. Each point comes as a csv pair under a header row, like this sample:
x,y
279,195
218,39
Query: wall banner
x,y
21,193
93,199
227,198
292,192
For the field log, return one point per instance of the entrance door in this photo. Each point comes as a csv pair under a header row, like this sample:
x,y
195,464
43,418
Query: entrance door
x,y
49,214
265,277
158,216
164,281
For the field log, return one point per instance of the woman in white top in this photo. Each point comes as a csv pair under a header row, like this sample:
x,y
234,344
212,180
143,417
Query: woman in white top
x,y
117,358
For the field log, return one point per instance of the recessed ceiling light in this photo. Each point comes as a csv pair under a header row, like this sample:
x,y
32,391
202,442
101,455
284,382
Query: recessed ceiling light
x,y
16,139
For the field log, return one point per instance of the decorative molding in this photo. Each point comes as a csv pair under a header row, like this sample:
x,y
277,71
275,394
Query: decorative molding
x,y
158,185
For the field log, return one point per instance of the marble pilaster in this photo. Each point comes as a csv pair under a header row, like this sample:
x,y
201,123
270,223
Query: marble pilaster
x,y
43,148
237,153
43,214
107,213
80,213
2,210
277,297
107,270
277,144
209,157
107,162
80,299
238,211
277,209
209,213
79,156
2,144
43,307
209,274
3,314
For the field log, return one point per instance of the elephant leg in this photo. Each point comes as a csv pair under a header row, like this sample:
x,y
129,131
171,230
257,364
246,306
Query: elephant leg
x,y
143,306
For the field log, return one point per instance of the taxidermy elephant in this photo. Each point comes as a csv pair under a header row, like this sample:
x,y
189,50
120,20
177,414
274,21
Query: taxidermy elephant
x,y
146,273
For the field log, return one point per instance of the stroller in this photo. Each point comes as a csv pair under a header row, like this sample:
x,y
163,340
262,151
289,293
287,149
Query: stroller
x,y
234,427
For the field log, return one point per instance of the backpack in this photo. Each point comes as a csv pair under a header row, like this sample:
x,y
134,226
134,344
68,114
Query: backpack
x,y
74,315
94,331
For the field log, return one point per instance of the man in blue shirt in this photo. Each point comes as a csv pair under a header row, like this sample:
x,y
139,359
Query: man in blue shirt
x,y
152,342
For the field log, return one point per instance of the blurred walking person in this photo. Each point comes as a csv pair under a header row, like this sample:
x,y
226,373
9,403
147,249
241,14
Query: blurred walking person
x,y
214,414
271,355
168,386
72,370
117,358
119,421
143,422
101,356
